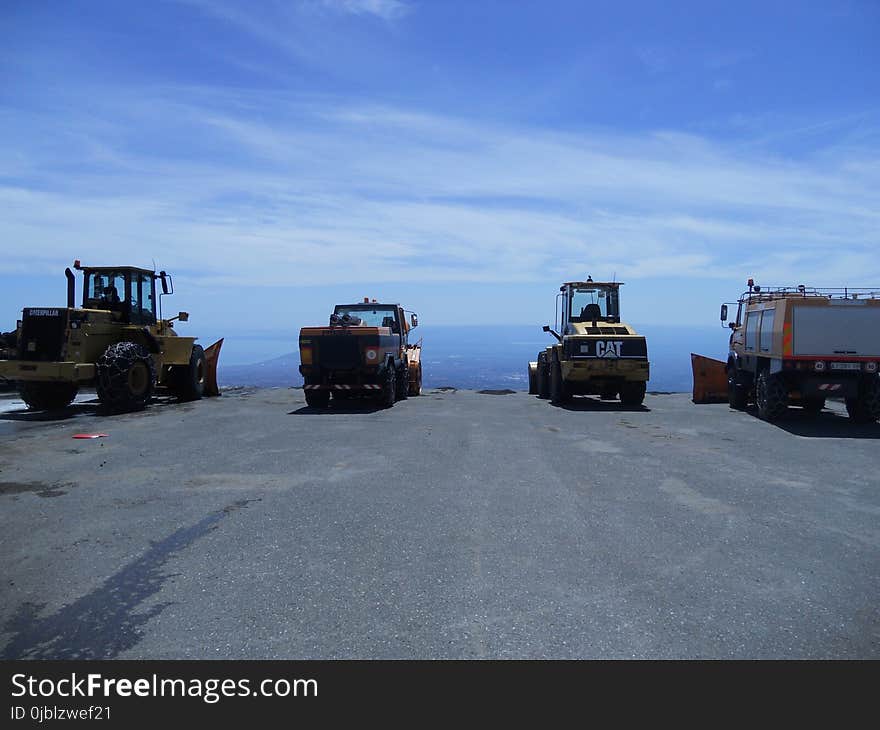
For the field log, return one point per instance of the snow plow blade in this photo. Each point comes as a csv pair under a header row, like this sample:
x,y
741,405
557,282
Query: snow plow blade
x,y
710,380
414,356
212,356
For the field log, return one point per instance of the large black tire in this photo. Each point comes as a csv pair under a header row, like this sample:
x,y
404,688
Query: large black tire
x,y
126,376
543,380
317,398
737,394
533,380
188,381
771,396
47,396
388,394
559,393
415,385
402,382
865,408
633,393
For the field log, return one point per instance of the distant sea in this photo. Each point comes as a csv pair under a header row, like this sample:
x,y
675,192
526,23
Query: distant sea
x,y
490,357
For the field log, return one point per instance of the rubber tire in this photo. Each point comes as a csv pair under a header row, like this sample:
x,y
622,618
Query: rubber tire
x,y
188,381
389,389
737,395
402,382
113,381
543,380
415,388
533,380
559,394
47,396
813,406
317,398
865,408
633,394
771,397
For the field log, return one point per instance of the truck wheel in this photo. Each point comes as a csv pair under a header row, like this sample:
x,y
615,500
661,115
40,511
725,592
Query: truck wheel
x,y
543,380
633,394
533,380
126,377
559,394
737,395
47,396
865,408
813,406
402,382
771,396
389,388
415,385
188,381
317,398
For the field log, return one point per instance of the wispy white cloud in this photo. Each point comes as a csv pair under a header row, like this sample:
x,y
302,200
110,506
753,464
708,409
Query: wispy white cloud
x,y
281,190
385,9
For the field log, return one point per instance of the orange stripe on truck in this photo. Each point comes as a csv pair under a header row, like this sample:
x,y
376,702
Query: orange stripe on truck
x,y
786,339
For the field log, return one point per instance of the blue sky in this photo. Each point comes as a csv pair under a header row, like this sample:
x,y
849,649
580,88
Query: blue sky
x,y
460,157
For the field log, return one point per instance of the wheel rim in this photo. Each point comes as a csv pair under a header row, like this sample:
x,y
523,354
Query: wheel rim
x,y
138,378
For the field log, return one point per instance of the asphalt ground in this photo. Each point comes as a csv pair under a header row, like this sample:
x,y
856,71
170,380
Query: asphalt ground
x,y
455,525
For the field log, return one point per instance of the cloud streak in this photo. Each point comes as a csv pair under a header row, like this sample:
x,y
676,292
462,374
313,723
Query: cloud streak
x,y
276,189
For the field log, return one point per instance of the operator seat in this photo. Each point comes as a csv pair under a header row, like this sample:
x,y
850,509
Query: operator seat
x,y
591,312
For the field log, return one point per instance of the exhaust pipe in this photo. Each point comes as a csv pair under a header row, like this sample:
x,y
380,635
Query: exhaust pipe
x,y
71,288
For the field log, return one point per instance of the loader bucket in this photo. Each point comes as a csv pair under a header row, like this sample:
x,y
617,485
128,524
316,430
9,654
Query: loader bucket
x,y
212,356
710,380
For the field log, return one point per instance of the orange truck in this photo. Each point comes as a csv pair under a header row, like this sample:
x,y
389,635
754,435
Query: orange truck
x,y
364,351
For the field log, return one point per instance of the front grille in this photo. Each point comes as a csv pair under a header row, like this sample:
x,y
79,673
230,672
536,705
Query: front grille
x,y
42,334
607,331
337,352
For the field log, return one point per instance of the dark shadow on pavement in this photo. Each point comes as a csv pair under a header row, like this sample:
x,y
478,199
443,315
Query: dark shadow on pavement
x,y
827,424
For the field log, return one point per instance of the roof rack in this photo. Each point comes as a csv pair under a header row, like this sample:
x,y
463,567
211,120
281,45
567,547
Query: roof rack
x,y
804,292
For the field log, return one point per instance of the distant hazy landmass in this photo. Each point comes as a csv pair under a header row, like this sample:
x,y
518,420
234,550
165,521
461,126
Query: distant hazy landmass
x,y
496,357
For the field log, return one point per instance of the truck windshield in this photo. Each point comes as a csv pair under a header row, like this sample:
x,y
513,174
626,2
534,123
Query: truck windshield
x,y
589,303
376,317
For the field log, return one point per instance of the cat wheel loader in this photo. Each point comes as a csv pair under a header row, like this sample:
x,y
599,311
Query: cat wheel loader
x,y
595,353
115,341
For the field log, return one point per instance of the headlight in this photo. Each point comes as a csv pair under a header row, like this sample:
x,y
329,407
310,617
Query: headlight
x,y
870,367
819,366
372,355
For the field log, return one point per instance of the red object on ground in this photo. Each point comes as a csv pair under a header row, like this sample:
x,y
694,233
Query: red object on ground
x,y
90,435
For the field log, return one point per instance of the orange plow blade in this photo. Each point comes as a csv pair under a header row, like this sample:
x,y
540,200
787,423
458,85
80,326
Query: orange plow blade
x,y
212,356
710,380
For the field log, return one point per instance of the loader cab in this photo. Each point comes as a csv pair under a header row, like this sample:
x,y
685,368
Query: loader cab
x,y
589,301
127,292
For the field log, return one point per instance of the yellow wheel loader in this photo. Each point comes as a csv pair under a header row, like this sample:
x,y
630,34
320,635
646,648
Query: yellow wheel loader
x,y
115,341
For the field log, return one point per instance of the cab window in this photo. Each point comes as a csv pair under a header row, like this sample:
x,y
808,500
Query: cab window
x,y
143,299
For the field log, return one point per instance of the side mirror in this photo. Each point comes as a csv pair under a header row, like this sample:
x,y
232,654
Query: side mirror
x,y
183,316
163,277
723,312
414,320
